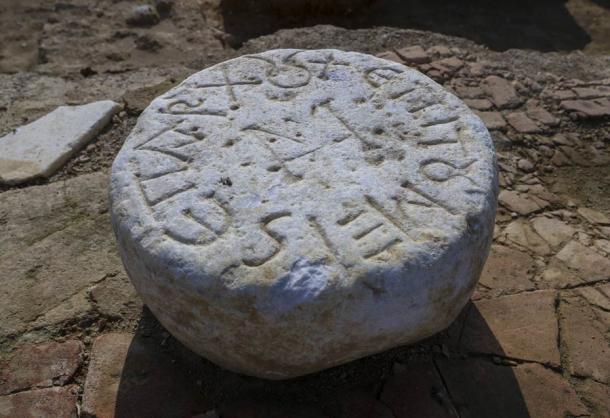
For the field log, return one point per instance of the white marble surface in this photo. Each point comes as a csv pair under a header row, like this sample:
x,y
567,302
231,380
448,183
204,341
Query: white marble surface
x,y
286,212
40,148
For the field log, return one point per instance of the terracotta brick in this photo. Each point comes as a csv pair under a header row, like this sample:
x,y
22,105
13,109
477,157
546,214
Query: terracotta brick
x,y
40,365
57,402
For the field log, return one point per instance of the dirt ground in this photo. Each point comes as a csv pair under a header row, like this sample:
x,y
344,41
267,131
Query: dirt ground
x,y
75,339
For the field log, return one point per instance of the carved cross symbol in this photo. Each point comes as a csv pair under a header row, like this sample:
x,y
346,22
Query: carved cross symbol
x,y
327,62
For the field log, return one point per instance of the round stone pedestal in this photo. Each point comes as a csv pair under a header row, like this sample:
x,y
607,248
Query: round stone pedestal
x,y
290,211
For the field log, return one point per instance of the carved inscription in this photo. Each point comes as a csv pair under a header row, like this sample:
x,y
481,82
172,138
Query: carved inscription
x,y
265,150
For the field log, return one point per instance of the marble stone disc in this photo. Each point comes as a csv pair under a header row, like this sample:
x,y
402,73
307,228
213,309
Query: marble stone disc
x,y
289,211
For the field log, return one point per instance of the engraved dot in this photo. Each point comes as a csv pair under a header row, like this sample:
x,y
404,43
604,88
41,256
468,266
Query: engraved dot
x,y
299,134
274,168
229,143
272,140
234,107
378,130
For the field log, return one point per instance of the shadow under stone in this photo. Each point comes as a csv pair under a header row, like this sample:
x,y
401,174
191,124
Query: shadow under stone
x,y
544,25
434,378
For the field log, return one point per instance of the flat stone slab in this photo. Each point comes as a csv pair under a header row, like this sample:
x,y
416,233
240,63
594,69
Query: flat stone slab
x,y
43,146
60,235
286,212
132,377
55,402
40,365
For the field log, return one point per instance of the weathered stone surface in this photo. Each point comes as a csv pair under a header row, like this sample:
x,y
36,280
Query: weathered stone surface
x,y
41,147
562,94
469,92
492,120
131,376
413,55
597,396
137,99
448,65
501,92
583,335
269,203
588,108
478,104
56,242
547,393
520,232
542,115
557,275
528,390
391,56
522,123
104,374
592,92
597,296
520,326
593,216
56,402
603,244
74,308
526,165
578,157
507,271
552,230
41,365
588,264
116,297
560,159
440,50
521,203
